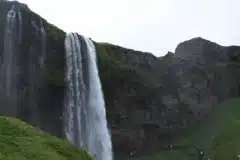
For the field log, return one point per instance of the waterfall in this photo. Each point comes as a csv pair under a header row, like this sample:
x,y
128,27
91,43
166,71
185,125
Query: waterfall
x,y
73,97
20,27
9,70
85,122
43,45
36,68
40,33
9,58
34,25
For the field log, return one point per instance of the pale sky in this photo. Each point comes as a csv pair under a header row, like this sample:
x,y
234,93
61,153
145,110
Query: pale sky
x,y
155,26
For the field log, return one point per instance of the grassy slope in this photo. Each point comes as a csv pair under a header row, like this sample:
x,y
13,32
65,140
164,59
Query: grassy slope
x,y
218,135
20,141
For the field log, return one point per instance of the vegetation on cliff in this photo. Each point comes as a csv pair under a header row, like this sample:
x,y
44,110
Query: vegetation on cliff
x,y
123,80
20,141
217,136
148,99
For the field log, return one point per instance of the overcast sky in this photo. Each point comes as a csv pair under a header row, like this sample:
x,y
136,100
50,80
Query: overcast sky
x,y
156,26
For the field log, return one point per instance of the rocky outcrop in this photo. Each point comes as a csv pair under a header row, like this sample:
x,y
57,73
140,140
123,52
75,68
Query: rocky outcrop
x,y
214,60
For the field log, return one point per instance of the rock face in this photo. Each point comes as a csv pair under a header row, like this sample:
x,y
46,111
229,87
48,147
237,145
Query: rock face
x,y
215,60
170,94
148,98
39,84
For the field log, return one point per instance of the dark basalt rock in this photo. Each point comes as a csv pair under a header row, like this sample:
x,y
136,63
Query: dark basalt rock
x,y
40,90
178,89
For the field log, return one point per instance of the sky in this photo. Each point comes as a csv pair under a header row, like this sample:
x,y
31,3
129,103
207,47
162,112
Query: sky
x,y
155,26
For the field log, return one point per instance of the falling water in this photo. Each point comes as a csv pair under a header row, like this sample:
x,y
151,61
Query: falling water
x,y
43,45
34,25
85,116
73,99
20,27
36,69
8,59
40,33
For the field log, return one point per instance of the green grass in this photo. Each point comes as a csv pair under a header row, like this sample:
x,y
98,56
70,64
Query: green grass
x,y
20,141
218,135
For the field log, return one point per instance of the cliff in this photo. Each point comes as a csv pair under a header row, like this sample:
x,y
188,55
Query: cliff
x,y
149,99
40,84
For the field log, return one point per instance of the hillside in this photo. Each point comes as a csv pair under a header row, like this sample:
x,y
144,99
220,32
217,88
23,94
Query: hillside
x,y
20,141
217,136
